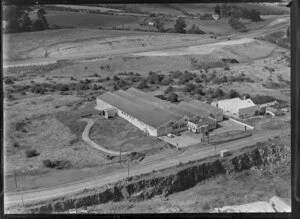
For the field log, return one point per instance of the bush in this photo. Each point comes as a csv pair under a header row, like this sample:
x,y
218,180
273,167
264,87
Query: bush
x,y
172,97
57,164
16,145
31,153
8,81
169,89
236,24
189,87
233,94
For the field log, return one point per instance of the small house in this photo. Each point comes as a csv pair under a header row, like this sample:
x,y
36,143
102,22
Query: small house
x,y
273,111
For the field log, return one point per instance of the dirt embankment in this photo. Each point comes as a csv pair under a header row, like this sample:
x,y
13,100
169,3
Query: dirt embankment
x,y
159,183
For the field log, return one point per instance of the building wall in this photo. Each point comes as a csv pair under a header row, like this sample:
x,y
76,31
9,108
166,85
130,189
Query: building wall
x,y
218,116
248,111
169,127
102,105
139,124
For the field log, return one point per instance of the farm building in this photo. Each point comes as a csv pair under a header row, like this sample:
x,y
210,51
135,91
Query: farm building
x,y
153,115
238,108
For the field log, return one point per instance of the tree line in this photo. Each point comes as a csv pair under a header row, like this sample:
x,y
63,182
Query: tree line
x,y
18,20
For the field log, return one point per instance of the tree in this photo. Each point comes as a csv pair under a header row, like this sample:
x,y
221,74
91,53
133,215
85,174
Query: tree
x,y
233,94
195,30
41,13
235,23
180,25
254,15
169,89
189,87
218,10
26,23
142,84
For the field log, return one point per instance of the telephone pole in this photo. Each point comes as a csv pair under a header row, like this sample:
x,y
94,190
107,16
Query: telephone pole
x,y
128,166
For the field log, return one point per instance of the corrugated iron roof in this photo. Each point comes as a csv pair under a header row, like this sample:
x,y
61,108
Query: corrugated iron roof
x,y
147,113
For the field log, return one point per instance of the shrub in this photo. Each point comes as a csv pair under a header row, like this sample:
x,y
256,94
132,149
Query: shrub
x,y
172,97
189,87
57,164
169,89
20,126
236,24
31,153
233,94
143,84
16,145
8,81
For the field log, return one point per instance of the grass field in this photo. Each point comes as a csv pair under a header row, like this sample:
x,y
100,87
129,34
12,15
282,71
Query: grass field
x,y
117,133
79,19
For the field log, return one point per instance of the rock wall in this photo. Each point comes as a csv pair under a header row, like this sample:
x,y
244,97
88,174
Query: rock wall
x,y
187,176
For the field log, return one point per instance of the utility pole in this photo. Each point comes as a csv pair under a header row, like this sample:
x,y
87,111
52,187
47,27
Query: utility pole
x,y
18,189
128,166
120,156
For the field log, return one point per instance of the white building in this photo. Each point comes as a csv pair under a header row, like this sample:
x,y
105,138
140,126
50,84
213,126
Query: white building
x,y
153,115
238,108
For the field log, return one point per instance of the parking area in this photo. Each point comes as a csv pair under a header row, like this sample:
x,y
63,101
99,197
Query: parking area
x,y
185,139
188,138
228,125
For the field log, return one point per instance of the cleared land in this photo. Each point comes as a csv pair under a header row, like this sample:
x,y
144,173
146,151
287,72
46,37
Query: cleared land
x,y
116,133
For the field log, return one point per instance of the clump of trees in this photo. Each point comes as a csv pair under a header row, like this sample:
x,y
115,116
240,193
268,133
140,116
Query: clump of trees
x,y
236,24
180,26
17,19
226,10
195,30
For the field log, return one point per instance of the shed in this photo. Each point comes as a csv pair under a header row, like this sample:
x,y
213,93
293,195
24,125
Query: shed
x,y
110,113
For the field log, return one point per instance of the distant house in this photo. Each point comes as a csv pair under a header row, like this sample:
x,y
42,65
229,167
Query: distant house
x,y
274,111
151,23
215,16
238,108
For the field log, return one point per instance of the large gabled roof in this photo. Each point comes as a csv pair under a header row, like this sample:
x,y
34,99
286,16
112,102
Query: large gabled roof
x,y
147,113
154,111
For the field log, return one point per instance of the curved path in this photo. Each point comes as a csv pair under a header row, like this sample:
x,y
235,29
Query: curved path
x,y
86,138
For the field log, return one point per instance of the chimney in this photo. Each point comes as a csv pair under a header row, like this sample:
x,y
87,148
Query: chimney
x,y
244,97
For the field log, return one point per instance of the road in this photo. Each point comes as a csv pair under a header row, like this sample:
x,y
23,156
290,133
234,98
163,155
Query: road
x,y
42,61
142,168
